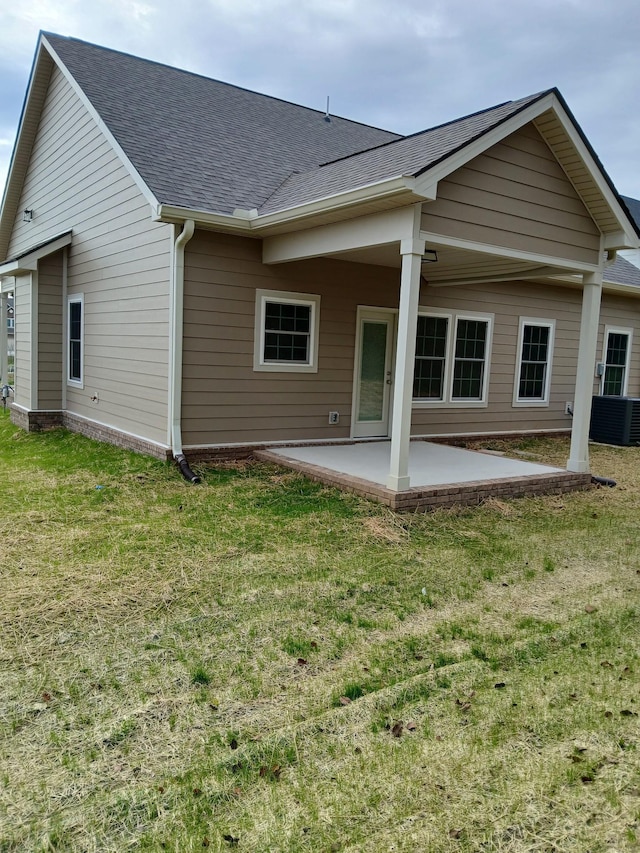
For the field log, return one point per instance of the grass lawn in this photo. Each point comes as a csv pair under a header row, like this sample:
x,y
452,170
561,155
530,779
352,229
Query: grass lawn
x,y
260,663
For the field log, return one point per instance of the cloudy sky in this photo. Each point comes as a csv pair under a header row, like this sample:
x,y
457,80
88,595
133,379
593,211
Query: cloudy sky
x,y
403,65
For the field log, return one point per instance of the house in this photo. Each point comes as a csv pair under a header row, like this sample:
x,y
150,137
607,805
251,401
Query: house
x,y
200,269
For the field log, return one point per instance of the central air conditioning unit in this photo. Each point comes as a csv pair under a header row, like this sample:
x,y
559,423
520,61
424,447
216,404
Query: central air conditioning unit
x,y
615,420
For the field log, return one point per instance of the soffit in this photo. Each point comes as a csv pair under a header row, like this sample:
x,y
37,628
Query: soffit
x,y
577,170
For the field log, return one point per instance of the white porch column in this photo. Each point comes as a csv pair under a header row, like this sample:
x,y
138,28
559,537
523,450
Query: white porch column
x,y
591,293
412,251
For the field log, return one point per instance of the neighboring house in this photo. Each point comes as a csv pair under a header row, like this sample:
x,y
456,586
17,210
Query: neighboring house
x,y
201,269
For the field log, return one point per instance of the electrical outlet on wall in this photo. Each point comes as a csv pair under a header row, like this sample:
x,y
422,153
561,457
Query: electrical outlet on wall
x,y
334,418
568,408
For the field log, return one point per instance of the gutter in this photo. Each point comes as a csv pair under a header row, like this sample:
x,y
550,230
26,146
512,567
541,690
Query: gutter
x,y
176,335
250,221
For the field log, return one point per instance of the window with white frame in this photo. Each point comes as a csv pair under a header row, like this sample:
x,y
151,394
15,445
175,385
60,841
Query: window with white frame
x,y
286,331
533,371
452,359
75,340
616,356
432,339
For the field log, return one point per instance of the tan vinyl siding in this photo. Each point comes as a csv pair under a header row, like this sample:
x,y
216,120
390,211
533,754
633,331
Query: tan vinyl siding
x,y
50,345
515,196
119,261
22,363
225,401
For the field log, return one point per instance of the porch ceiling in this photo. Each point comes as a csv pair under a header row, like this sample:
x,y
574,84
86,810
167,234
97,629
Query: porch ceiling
x,y
455,265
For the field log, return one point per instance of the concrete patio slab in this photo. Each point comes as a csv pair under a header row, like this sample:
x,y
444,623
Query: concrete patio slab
x,y
441,475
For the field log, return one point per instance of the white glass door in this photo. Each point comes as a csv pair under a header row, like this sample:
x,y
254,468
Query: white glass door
x,y
373,373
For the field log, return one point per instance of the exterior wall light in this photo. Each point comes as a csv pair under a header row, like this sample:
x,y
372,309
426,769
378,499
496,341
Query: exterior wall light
x,y
27,216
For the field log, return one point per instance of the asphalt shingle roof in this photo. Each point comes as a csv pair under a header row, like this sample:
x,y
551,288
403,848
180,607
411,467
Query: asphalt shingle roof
x,y
200,143
622,272
206,145
633,206
410,155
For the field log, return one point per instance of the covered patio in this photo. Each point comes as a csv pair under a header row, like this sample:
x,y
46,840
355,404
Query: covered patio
x,y
441,475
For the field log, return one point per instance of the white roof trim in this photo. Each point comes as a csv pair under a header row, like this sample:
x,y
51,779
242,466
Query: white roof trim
x,y
126,162
247,222
28,261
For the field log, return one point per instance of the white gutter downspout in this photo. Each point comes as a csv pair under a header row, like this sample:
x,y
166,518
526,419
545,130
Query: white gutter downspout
x,y
176,334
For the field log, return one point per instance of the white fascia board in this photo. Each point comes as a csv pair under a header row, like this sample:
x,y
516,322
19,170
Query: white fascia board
x,y
234,223
25,137
29,262
622,289
502,252
375,229
620,240
483,143
396,186
248,221
126,162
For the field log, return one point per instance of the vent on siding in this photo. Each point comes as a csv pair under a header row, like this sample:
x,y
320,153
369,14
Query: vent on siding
x,y
615,420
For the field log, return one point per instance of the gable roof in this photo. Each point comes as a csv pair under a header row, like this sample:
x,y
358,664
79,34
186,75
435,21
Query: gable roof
x,y
241,161
410,155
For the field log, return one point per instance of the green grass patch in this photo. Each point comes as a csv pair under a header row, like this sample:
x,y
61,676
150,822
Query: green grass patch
x,y
264,663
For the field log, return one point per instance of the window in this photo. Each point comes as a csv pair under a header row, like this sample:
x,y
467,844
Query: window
x,y
10,323
75,337
452,359
470,355
286,334
431,354
617,351
533,373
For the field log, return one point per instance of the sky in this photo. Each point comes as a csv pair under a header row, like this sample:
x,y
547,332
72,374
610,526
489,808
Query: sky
x,y
403,65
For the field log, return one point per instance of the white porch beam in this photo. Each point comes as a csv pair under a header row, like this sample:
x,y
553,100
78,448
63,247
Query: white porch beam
x,y
515,275
412,251
434,240
589,320
376,229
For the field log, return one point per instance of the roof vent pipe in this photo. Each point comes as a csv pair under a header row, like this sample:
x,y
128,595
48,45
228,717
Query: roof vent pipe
x,y
327,117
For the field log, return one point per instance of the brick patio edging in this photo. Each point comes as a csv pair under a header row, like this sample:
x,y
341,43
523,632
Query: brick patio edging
x,y
425,498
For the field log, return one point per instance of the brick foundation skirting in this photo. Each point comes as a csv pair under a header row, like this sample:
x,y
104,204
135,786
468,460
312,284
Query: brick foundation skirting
x,y
420,498
35,421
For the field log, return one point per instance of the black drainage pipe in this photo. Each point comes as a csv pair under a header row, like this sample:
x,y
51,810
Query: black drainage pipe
x,y
604,481
183,465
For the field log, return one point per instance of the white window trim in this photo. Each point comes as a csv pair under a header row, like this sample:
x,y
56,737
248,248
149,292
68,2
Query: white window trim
x,y
525,402
75,383
448,402
419,402
310,299
617,330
